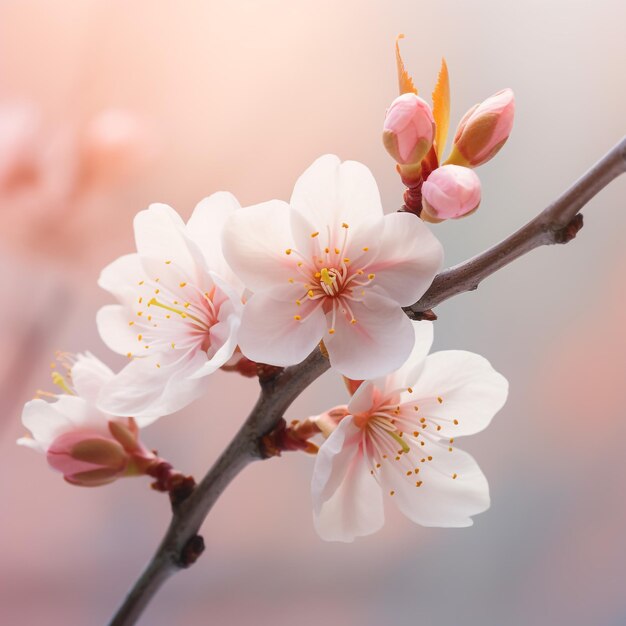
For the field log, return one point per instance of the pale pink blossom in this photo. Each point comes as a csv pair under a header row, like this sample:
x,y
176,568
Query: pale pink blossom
x,y
484,129
450,192
178,313
398,443
330,266
409,129
87,446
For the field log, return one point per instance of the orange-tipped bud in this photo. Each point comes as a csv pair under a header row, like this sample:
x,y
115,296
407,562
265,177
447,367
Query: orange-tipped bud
x,y
483,130
409,129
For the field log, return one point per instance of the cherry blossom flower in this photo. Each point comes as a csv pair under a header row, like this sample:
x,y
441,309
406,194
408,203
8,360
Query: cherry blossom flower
x,y
179,310
397,442
88,446
330,266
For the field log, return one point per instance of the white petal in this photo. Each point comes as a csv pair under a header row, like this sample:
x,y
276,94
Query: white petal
x,y
205,227
270,334
89,375
377,344
112,322
471,392
121,277
160,234
224,336
47,420
365,398
254,242
347,501
146,392
330,192
441,499
409,258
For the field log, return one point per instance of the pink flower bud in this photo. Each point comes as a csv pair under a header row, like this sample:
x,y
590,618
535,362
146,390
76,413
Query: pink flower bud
x,y
483,130
450,192
409,129
87,458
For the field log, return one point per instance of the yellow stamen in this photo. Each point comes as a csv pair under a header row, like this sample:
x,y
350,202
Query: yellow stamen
x,y
403,444
183,314
327,279
61,383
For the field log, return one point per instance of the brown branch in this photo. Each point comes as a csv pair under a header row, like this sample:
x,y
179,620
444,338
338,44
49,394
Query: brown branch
x,y
181,545
558,223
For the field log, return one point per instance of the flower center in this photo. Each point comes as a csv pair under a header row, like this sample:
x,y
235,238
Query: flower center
x,y
330,279
174,314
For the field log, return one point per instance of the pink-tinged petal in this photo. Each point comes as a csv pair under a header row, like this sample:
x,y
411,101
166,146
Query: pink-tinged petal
x,y
270,333
47,420
364,399
112,322
409,258
446,492
205,228
330,192
224,339
160,234
409,372
254,242
347,501
377,344
120,278
89,375
146,391
461,386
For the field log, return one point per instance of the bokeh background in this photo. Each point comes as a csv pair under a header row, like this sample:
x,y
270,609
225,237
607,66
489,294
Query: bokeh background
x,y
201,95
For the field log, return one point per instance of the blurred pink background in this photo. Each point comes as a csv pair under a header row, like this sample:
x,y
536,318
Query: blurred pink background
x,y
242,96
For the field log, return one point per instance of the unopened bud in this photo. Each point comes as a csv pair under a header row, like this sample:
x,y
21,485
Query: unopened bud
x,y
409,129
87,459
450,192
484,130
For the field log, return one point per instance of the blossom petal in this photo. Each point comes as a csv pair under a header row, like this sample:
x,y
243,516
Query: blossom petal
x,y
120,277
347,501
378,343
47,420
461,386
446,492
409,372
254,242
269,332
364,398
89,375
408,259
330,192
160,233
146,391
112,322
205,228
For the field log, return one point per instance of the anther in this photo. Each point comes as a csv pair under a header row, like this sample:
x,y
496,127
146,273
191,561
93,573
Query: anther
x,y
315,234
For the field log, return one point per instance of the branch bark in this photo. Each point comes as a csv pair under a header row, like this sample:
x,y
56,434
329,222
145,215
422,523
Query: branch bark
x,y
181,545
558,223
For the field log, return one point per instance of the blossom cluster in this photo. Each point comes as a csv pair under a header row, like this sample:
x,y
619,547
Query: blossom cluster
x,y
270,283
